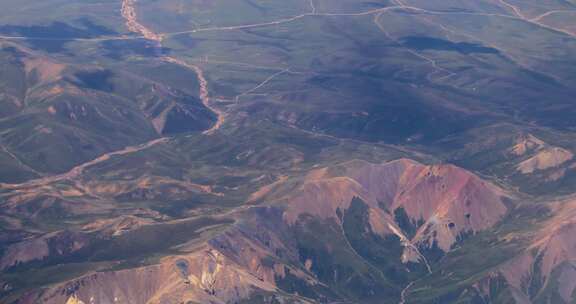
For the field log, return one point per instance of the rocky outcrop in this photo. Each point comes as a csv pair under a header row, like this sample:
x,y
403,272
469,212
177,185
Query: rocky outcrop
x,y
546,158
443,202
537,155
526,143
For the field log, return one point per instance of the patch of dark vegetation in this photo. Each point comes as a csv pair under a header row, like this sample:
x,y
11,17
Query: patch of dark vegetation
x,y
120,49
54,36
307,144
281,47
156,239
408,227
432,253
58,30
455,296
499,291
292,284
183,267
542,78
322,245
100,80
130,248
537,280
386,111
185,118
376,4
256,5
14,52
15,284
178,209
430,43
384,252
461,237
538,185
60,246
187,41
389,123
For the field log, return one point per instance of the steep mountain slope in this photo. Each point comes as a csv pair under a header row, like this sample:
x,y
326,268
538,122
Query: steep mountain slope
x,y
439,202
62,115
352,212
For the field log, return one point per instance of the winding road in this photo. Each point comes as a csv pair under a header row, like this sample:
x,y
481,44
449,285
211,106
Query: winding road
x,y
130,15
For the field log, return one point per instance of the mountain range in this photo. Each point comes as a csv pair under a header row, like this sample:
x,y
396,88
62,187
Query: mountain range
x,y
303,151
